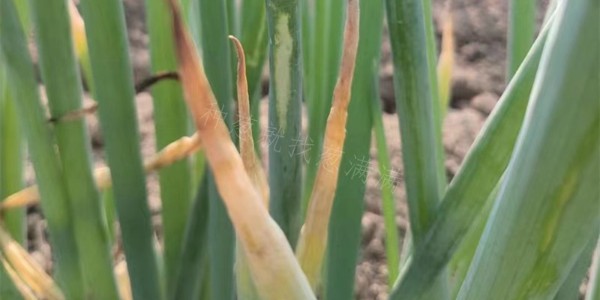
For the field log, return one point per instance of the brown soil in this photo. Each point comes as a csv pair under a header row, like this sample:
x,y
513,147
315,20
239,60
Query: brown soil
x,y
480,29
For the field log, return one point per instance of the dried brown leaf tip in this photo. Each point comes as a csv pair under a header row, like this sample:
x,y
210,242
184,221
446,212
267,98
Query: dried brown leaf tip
x,y
313,239
446,59
77,30
123,280
21,286
246,141
173,152
30,277
247,151
274,269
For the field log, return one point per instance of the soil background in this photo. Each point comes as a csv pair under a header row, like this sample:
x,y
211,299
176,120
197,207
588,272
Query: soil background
x,y
480,28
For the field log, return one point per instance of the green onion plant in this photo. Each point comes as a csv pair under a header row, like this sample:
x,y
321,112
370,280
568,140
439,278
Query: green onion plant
x,y
520,219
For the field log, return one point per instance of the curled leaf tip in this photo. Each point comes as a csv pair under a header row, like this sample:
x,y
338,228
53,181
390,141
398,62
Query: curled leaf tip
x,y
249,156
276,273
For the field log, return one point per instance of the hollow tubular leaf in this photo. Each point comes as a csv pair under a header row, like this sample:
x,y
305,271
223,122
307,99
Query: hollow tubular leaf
x,y
325,49
22,9
11,160
285,98
253,36
437,109
415,85
307,33
521,32
11,177
63,89
465,252
10,163
192,273
112,79
392,248
547,208
415,107
55,204
213,22
170,123
275,271
467,193
569,289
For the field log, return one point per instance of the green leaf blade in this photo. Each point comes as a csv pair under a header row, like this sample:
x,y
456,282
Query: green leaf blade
x,y
285,98
55,199
548,201
419,115
569,289
171,123
416,112
254,37
193,271
11,160
63,89
213,22
113,89
388,204
521,32
325,54
482,168
11,176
